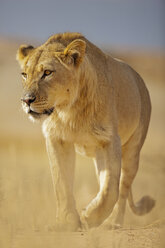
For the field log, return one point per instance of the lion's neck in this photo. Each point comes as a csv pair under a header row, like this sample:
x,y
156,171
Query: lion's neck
x,y
85,103
87,92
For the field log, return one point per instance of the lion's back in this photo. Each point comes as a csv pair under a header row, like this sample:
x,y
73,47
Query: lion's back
x,y
132,99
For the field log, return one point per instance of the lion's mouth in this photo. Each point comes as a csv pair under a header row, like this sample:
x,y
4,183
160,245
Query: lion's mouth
x,y
45,112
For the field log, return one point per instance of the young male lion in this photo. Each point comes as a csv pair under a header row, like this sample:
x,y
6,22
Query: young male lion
x,y
96,105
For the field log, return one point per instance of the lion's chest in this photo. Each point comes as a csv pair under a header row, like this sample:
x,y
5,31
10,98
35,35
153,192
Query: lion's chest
x,y
86,145
84,141
80,135
85,150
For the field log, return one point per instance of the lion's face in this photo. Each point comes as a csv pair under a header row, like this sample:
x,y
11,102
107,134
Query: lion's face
x,y
50,76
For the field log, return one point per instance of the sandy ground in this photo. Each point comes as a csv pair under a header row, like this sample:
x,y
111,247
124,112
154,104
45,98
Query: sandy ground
x,y
27,205
124,238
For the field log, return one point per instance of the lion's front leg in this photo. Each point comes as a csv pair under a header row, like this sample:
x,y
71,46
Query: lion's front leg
x,y
62,162
108,166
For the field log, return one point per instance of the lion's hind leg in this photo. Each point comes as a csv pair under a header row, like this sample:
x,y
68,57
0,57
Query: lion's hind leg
x,y
130,164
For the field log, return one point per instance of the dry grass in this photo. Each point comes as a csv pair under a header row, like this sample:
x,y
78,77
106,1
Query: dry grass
x,y
27,205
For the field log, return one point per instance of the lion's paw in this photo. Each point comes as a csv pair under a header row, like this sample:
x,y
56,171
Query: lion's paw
x,y
70,223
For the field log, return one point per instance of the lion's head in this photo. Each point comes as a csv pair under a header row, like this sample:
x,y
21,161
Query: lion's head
x,y
50,74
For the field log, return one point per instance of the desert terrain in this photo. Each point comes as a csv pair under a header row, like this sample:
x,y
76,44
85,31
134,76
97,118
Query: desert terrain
x,y
27,205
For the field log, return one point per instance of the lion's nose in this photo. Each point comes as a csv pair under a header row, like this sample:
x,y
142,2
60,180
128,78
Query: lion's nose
x,y
28,99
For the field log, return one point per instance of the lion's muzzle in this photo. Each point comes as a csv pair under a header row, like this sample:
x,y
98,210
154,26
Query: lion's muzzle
x,y
28,99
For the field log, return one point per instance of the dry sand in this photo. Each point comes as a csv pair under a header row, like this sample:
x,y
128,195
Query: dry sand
x,y
27,205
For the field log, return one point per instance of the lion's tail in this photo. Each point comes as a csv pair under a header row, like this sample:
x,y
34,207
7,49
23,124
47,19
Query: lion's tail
x,y
143,206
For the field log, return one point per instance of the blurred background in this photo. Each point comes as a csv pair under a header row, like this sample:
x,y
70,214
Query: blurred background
x,y
132,30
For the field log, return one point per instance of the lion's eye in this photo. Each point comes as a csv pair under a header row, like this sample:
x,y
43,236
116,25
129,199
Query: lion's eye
x,y
46,73
24,75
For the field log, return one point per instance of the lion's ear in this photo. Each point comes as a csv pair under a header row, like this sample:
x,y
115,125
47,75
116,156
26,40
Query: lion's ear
x,y
23,52
76,50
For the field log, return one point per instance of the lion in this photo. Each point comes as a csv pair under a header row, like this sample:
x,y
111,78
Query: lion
x,y
96,105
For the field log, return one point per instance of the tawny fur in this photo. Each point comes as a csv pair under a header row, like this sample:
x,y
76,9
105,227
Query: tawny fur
x,y
98,106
